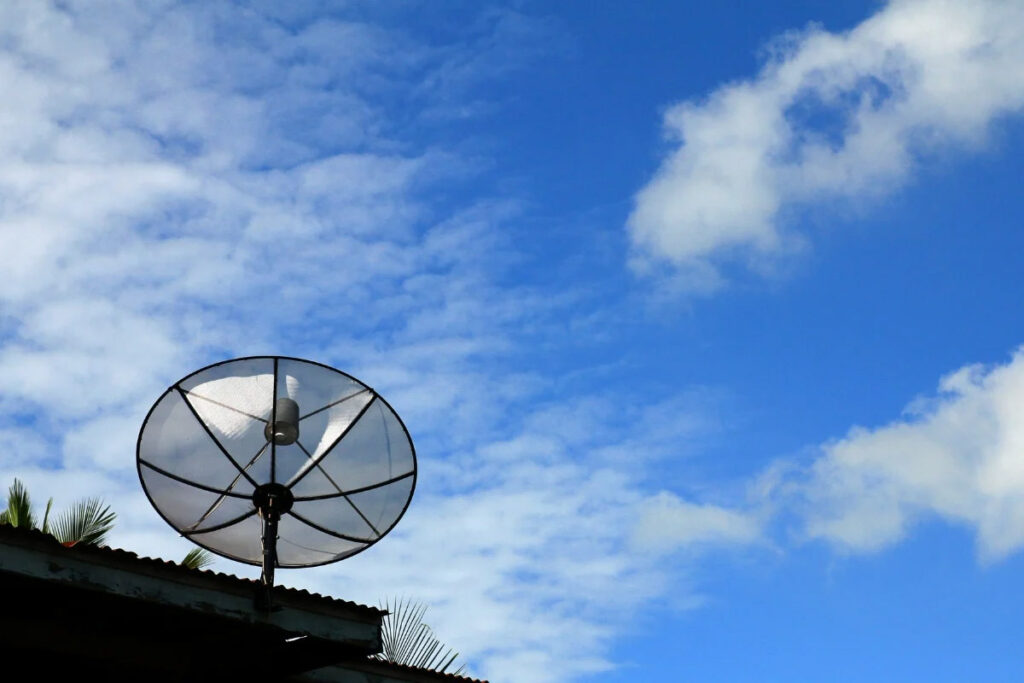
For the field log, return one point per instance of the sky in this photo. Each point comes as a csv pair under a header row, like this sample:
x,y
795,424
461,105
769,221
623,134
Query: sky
x,y
704,317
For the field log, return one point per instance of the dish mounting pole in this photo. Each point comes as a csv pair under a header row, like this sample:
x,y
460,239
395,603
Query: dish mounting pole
x,y
271,501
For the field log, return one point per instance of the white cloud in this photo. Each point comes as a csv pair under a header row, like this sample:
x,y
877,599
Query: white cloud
x,y
668,522
956,456
830,116
526,541
167,200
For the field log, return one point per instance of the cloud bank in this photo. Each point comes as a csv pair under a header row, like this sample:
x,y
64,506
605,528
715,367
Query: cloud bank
x,y
830,117
184,184
172,193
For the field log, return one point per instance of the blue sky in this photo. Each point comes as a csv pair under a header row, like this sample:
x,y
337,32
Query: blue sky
x,y
704,319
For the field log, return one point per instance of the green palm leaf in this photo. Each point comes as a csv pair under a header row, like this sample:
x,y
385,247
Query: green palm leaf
x,y
197,558
46,517
19,507
87,521
405,639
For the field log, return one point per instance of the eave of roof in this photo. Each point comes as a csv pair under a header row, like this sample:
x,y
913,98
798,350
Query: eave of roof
x,y
425,675
118,572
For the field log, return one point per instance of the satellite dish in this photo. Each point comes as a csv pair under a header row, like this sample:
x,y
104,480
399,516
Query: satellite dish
x,y
276,462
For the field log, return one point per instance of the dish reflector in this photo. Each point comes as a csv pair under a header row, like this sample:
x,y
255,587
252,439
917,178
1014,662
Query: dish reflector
x,y
314,450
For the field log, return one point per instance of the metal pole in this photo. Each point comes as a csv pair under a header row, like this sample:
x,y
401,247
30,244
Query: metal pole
x,y
271,500
269,549
264,601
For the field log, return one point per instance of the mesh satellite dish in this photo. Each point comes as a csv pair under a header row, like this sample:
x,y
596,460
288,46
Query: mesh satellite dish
x,y
276,462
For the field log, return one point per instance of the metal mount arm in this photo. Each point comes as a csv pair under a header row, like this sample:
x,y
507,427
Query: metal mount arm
x,y
271,501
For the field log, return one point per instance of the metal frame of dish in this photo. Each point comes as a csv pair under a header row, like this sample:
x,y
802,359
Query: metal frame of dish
x,y
272,500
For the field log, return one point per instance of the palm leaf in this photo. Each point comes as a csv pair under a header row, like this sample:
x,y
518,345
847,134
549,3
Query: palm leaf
x,y
405,639
19,507
87,521
46,517
197,558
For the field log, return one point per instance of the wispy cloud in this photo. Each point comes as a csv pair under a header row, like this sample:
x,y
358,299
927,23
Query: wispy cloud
x,y
953,455
173,192
533,535
830,117
668,522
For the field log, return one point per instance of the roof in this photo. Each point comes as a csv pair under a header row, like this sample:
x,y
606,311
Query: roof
x,y
386,670
293,596
172,619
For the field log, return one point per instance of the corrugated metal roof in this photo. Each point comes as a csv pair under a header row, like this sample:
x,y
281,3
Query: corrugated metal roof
x,y
228,580
440,676
130,561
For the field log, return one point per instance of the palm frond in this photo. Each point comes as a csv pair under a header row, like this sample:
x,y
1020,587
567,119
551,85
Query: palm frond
x,y
405,639
19,507
45,528
87,521
197,558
